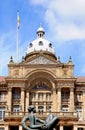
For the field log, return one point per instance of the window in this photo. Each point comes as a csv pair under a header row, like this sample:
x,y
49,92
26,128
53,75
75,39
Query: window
x,y
16,108
2,97
80,128
79,112
33,97
48,108
48,96
1,128
65,95
16,95
40,43
30,45
2,113
64,108
50,45
40,109
79,97
40,96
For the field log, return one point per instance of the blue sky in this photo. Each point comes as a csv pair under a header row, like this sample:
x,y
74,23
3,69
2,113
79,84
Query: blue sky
x,y
63,21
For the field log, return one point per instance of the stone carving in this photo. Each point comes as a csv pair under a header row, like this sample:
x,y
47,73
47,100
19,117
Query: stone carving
x,y
41,85
41,60
37,123
16,72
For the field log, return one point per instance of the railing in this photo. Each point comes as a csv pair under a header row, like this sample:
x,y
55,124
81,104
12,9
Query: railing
x,y
16,101
42,115
14,114
3,102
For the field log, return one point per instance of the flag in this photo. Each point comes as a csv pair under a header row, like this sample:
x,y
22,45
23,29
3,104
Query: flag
x,y
18,20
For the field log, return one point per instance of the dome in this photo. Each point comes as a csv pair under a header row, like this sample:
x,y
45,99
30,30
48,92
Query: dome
x,y
40,29
40,43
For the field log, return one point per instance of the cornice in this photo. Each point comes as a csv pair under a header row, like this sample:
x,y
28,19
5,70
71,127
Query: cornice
x,y
72,79
14,80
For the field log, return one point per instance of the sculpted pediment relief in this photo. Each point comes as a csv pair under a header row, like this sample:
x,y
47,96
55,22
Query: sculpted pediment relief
x,y
41,85
41,60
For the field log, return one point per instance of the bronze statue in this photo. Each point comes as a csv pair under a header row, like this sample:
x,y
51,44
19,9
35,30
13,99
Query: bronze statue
x,y
38,124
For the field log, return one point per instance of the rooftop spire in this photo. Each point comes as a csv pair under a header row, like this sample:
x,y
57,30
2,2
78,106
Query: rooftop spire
x,y
70,61
40,31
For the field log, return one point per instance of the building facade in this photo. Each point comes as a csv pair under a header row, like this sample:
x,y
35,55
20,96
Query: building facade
x,y
42,80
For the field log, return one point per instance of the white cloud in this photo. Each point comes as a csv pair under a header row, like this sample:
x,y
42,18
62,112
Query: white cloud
x,y
38,2
66,25
70,31
65,18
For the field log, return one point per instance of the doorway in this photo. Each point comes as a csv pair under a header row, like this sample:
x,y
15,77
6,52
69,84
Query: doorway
x,y
68,127
14,127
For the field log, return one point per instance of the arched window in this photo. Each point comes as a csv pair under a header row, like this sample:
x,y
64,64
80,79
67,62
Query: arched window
x,y
3,96
50,45
40,43
79,112
30,45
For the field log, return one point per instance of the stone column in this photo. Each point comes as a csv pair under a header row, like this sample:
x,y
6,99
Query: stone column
x,y
71,109
9,100
22,99
44,102
61,127
20,127
6,127
27,101
59,99
54,98
75,127
83,100
36,102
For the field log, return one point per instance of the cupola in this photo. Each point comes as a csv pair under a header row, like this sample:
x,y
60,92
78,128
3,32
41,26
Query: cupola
x,y
40,44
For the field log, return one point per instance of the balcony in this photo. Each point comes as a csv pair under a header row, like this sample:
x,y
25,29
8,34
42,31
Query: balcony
x,y
3,102
16,101
61,115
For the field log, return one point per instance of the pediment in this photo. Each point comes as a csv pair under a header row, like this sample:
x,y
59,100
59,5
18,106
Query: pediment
x,y
41,60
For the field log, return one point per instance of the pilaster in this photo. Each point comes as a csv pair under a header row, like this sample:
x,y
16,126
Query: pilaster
x,y
36,102
27,101
44,102
54,98
59,99
9,99
71,108
22,98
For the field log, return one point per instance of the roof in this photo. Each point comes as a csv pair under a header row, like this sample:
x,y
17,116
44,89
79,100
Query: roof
x,y
40,29
81,79
40,43
2,79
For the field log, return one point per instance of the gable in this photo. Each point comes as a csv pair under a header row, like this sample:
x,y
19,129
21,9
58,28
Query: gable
x,y
41,60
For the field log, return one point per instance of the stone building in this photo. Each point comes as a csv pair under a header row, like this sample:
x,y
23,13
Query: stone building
x,y
42,80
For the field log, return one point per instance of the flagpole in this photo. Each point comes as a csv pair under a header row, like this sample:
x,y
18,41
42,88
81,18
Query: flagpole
x,y
17,42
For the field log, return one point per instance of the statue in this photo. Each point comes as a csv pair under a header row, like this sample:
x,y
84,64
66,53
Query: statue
x,y
37,123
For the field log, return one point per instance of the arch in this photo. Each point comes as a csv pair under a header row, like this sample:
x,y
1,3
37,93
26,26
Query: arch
x,y
41,74
42,71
